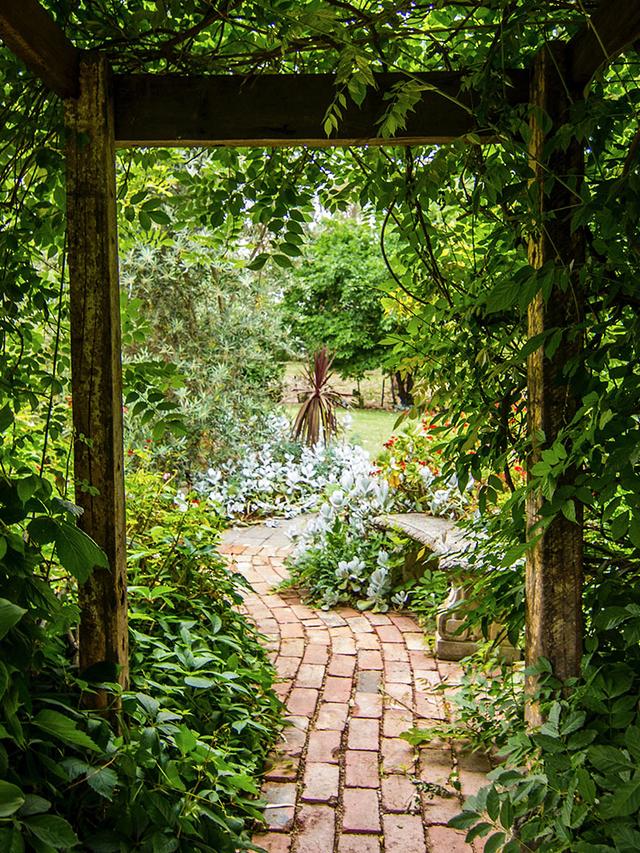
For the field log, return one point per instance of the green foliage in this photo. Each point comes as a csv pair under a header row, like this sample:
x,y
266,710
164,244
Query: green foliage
x,y
201,692
457,219
333,297
344,556
487,702
220,328
197,721
342,570
570,784
410,464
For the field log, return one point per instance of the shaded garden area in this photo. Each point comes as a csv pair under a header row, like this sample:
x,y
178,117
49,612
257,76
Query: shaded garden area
x,y
193,198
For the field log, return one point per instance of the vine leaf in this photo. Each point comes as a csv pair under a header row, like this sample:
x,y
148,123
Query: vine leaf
x,y
10,615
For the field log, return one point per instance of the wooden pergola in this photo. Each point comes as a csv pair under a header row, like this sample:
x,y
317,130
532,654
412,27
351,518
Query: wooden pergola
x,y
104,111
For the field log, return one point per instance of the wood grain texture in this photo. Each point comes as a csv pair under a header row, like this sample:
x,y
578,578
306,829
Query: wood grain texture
x,y
613,27
31,33
554,572
280,110
96,362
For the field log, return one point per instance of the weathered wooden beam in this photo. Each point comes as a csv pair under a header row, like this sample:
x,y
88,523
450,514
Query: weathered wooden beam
x,y
554,571
31,33
96,363
287,109
613,27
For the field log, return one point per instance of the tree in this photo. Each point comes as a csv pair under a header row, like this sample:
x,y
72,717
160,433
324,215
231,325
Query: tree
x,y
218,324
333,297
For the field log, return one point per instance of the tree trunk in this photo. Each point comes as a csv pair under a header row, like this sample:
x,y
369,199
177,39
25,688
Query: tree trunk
x,y
405,388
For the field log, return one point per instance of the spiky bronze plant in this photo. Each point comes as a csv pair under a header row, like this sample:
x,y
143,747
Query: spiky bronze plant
x,y
317,415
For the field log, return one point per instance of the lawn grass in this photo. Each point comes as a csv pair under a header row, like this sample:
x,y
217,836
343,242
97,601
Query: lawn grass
x,y
369,428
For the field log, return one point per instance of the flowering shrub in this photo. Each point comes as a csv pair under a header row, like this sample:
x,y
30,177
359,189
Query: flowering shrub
x,y
409,464
341,556
281,478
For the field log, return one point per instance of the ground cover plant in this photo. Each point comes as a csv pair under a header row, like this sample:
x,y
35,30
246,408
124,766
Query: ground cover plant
x,y
176,768
280,477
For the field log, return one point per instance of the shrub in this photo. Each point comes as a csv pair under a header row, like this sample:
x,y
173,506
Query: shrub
x,y
178,775
409,463
343,556
279,478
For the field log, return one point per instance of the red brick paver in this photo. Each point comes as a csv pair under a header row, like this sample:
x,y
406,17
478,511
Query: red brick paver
x,y
341,780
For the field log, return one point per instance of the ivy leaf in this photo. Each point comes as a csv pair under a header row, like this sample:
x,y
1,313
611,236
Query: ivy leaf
x,y
632,741
282,261
65,729
77,552
620,525
504,295
258,262
11,799
52,830
623,802
34,805
6,418
634,531
162,843
103,780
199,682
150,705
478,831
494,842
290,249
74,768
11,840
10,615
569,511
493,804
4,681
586,786
185,739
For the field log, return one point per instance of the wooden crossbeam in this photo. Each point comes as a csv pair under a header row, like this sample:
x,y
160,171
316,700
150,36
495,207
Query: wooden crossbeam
x,y
613,27
282,110
31,33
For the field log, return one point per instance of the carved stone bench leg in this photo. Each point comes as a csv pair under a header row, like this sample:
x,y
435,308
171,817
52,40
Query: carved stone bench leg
x,y
452,643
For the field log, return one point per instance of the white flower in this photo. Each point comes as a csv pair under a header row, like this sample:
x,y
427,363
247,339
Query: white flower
x,y
336,499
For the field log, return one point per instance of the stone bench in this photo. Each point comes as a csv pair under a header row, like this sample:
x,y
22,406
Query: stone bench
x,y
447,543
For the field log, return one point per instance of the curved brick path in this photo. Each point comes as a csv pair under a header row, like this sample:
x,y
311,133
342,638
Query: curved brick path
x,y
341,780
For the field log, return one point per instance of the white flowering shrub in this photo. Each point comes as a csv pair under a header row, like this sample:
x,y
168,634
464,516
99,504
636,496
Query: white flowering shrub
x,y
280,478
341,555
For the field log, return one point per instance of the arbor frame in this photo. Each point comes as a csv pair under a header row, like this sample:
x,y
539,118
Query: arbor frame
x,y
103,112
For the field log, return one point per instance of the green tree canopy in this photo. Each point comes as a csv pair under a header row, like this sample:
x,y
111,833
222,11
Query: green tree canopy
x,y
333,296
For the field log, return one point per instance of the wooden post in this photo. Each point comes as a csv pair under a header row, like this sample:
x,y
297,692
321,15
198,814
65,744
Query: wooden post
x,y
554,572
96,363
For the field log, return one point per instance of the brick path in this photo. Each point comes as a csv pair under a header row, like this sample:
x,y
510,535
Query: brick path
x,y
341,780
